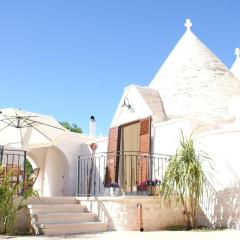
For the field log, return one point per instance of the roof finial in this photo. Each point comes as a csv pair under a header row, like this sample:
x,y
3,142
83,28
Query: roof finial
x,y
188,24
237,52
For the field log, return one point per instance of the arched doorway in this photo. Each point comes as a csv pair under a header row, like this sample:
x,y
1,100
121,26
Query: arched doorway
x,y
53,165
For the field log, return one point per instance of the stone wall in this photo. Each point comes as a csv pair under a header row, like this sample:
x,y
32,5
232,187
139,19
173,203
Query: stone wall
x,y
121,212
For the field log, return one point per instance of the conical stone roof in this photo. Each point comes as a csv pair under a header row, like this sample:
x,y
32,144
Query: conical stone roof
x,y
193,81
235,69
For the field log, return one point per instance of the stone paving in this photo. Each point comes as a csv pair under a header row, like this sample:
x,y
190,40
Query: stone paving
x,y
158,235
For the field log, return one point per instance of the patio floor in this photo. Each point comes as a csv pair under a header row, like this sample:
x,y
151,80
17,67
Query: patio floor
x,y
158,235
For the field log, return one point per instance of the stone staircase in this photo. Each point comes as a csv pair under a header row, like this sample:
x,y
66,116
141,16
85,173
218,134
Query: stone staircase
x,y
63,215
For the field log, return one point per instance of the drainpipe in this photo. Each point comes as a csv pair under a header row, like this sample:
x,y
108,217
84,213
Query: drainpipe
x,y
140,217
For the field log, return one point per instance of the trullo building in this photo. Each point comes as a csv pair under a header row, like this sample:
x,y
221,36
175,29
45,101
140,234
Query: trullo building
x,y
195,92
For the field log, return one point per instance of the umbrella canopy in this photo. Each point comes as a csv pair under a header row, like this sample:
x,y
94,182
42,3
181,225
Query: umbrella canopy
x,y
21,129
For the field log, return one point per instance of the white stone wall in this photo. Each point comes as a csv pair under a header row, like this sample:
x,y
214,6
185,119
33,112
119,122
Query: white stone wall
x,y
221,203
121,212
223,148
52,164
37,159
71,147
221,208
102,145
58,166
139,108
166,135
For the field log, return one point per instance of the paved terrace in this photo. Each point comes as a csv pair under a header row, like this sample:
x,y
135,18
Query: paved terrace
x,y
158,235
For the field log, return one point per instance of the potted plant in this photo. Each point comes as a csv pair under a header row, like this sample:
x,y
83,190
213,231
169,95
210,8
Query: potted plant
x,y
150,186
185,179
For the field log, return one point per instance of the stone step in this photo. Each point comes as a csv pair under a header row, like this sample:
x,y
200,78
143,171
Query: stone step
x,y
74,228
54,200
46,218
58,208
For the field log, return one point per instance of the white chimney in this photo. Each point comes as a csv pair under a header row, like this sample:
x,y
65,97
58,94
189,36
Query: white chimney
x,y
92,127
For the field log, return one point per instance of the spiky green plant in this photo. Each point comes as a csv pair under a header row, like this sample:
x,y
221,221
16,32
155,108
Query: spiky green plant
x,y
9,204
184,178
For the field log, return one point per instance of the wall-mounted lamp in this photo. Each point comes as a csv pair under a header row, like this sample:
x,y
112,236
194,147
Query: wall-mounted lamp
x,y
126,104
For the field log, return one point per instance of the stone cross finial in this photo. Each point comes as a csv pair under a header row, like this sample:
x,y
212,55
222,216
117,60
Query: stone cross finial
x,y
237,52
188,24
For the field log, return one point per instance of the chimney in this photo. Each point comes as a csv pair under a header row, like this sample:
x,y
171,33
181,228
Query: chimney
x,y
92,127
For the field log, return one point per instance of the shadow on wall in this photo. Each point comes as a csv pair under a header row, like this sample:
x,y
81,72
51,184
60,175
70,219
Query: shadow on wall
x,y
227,208
202,220
220,209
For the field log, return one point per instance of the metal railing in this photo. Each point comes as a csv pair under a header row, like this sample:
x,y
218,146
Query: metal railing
x,y
208,202
13,161
93,179
135,173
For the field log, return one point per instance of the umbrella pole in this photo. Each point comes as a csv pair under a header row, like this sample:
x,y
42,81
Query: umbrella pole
x,y
24,173
1,156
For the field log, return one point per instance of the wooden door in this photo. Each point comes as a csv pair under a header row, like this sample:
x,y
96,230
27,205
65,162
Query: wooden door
x,y
132,165
130,148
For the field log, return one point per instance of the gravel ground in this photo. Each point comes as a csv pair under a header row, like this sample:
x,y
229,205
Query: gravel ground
x,y
158,235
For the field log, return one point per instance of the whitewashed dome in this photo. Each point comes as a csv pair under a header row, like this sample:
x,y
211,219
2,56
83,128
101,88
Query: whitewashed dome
x,y
193,81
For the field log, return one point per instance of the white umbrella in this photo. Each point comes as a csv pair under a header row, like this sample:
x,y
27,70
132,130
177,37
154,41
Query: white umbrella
x,y
21,129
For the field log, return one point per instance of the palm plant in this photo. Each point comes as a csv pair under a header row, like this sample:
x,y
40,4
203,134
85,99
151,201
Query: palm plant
x,y
185,179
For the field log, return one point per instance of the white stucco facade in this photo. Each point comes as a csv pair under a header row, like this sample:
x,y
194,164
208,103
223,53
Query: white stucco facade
x,y
58,164
138,107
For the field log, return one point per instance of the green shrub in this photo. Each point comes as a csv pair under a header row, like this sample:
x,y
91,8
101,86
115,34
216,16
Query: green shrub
x,y
8,204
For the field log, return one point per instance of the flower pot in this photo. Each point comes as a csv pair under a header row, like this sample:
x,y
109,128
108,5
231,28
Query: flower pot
x,y
112,191
153,190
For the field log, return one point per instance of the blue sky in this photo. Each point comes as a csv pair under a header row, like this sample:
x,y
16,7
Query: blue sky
x,y
72,59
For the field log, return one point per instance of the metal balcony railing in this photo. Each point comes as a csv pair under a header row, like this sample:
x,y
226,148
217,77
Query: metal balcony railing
x,y
135,173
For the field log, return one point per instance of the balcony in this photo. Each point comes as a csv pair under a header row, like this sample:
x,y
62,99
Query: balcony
x,y
120,173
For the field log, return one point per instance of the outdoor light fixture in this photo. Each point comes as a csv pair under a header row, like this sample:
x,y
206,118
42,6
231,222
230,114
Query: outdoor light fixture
x,y
126,104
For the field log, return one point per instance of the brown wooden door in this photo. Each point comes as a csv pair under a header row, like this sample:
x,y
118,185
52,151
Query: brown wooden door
x,y
130,148
133,141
